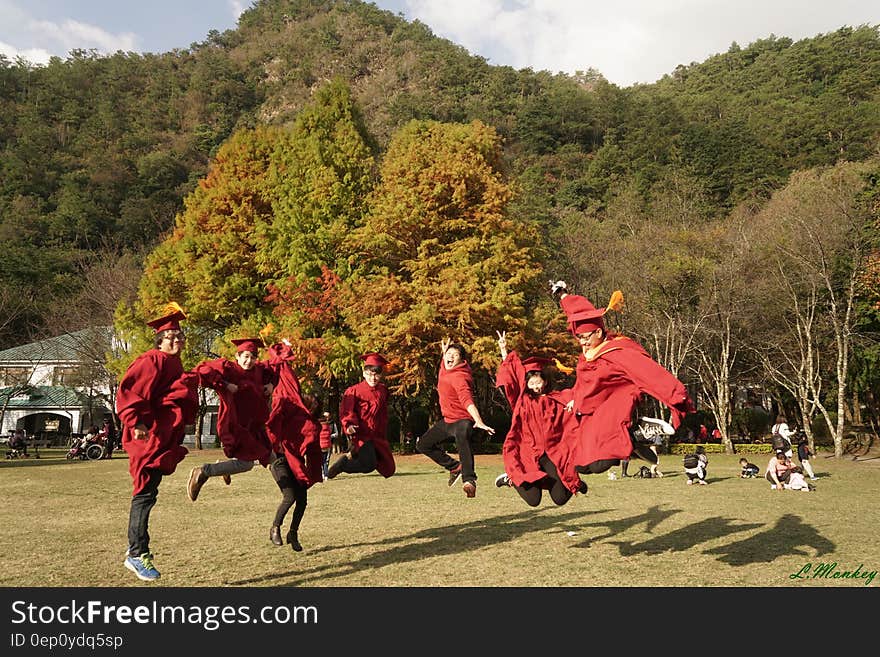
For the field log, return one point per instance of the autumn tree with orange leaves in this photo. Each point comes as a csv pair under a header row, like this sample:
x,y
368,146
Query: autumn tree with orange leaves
x,y
439,256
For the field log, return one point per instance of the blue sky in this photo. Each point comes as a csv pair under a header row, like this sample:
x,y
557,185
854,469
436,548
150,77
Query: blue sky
x,y
628,42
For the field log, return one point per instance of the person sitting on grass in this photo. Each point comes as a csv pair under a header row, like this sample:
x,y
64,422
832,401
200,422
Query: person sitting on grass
x,y
779,469
695,466
749,470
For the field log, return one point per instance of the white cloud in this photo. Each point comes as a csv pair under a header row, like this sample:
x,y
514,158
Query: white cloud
x,y
36,40
632,41
74,34
33,55
237,7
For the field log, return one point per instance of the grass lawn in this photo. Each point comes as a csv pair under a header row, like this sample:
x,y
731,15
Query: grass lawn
x,y
64,524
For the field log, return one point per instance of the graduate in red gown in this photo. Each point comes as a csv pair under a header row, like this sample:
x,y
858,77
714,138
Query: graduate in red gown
x,y
363,413
613,372
155,401
293,430
244,391
533,447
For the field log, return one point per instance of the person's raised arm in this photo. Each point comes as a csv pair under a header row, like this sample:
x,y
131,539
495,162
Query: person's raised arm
x,y
444,345
502,344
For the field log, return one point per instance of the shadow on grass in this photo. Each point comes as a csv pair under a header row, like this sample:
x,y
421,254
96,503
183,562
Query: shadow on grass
x,y
342,476
685,538
429,543
788,537
650,518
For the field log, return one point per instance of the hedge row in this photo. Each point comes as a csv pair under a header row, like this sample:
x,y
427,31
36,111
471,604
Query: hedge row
x,y
718,448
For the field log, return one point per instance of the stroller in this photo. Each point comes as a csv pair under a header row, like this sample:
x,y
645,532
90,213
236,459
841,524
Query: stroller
x,y
86,449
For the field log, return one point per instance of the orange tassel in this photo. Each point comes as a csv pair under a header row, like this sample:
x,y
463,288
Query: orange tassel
x,y
616,301
172,308
267,330
562,368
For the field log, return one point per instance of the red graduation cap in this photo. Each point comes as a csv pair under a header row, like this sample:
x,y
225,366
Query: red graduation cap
x,y
252,345
535,363
170,321
374,358
583,316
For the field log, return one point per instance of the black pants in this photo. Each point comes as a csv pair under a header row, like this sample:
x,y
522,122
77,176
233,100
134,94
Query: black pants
x,y
460,431
292,493
139,516
363,461
531,492
597,467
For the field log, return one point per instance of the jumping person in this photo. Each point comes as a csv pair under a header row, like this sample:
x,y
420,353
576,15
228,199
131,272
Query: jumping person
x,y
613,372
155,401
460,417
293,430
535,456
363,414
243,388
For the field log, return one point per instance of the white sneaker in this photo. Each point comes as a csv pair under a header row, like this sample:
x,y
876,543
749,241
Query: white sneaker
x,y
502,480
690,482
653,426
772,486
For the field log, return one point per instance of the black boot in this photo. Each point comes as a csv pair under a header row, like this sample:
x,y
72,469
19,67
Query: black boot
x,y
292,540
275,535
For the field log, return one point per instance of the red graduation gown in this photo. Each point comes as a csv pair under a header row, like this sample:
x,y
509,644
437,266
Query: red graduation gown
x,y
324,437
292,430
241,419
155,392
607,389
536,428
367,407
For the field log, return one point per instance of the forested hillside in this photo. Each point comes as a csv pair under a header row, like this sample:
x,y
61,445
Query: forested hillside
x,y
256,177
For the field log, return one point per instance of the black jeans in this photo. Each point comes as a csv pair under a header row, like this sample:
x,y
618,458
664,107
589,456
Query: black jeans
x,y
461,431
364,460
139,516
531,492
292,493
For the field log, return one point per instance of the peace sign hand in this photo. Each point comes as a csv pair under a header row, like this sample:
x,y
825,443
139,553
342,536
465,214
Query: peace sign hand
x,y
502,343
